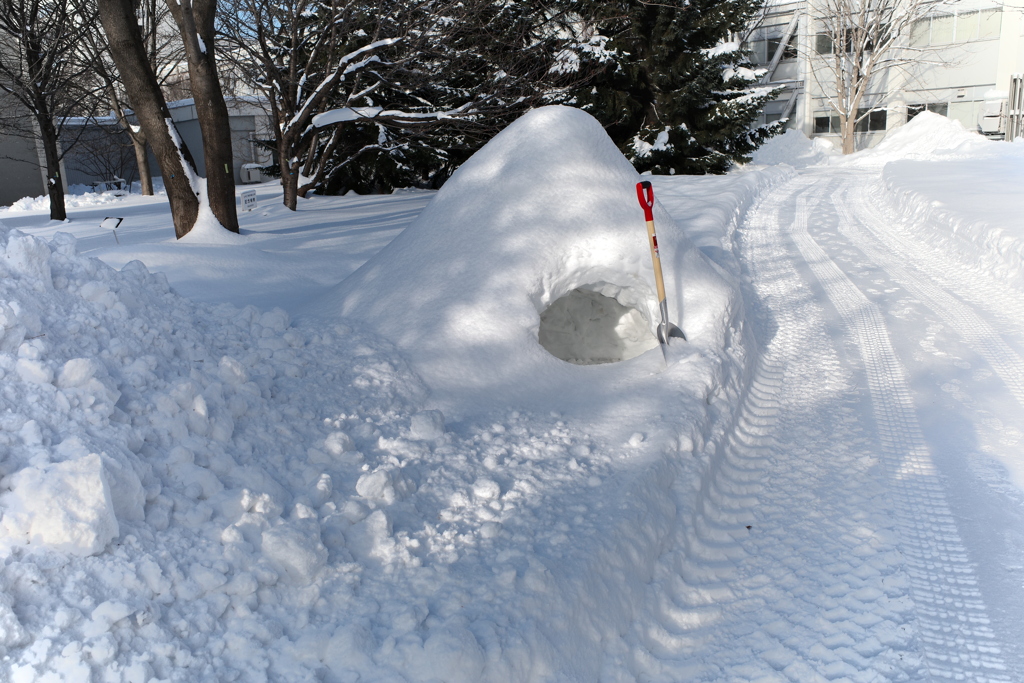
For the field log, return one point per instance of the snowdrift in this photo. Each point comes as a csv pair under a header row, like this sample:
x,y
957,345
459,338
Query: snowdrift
x,y
546,209
970,207
926,136
795,149
957,191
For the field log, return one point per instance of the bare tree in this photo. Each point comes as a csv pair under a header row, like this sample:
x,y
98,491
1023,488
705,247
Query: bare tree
x,y
185,190
859,44
164,52
195,20
128,51
104,150
40,71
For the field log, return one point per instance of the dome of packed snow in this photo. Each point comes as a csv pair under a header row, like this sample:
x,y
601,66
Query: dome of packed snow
x,y
533,253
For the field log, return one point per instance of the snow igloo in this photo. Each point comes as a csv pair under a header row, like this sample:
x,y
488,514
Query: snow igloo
x,y
529,270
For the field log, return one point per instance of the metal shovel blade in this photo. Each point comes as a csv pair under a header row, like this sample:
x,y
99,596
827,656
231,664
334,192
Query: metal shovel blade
x,y
667,331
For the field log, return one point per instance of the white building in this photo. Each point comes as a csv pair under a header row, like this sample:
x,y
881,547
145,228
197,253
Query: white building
x,y
966,56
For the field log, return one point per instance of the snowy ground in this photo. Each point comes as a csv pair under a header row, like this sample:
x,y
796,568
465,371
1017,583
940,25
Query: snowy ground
x,y
825,483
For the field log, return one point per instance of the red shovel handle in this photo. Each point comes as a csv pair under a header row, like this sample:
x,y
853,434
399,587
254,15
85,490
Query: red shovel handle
x,y
645,193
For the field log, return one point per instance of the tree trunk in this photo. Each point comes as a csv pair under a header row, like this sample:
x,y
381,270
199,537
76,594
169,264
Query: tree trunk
x,y
286,152
127,49
848,126
142,161
196,25
54,184
290,182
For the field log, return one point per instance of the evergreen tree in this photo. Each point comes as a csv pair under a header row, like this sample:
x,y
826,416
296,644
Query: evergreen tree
x,y
670,88
489,67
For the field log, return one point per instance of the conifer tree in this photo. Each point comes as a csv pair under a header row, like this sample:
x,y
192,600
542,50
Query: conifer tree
x,y
672,90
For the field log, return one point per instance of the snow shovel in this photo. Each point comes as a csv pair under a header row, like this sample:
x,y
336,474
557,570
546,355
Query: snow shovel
x,y
666,330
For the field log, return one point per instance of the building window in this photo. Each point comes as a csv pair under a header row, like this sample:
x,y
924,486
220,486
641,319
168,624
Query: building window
x,y
966,27
757,51
961,27
874,121
823,124
789,52
990,23
941,108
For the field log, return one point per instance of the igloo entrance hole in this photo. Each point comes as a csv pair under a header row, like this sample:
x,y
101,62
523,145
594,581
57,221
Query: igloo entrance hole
x,y
586,328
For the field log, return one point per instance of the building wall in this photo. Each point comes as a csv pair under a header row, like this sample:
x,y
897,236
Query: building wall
x,y
968,54
20,175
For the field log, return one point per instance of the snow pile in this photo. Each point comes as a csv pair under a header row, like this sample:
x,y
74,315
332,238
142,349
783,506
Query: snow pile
x,y
795,149
78,197
152,486
971,207
546,208
926,136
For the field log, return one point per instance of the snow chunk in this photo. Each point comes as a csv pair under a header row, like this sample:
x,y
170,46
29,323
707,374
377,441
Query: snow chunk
x,y
337,443
11,631
33,371
427,425
232,372
376,486
485,489
104,616
296,552
65,506
29,257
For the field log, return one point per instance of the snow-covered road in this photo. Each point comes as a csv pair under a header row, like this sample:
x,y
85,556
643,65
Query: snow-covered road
x,y
855,523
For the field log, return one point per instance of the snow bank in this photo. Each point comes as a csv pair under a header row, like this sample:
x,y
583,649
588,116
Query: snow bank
x,y
206,493
151,486
926,136
795,149
545,208
78,197
971,207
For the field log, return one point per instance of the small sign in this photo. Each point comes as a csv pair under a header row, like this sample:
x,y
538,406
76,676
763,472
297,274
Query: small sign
x,y
111,223
249,200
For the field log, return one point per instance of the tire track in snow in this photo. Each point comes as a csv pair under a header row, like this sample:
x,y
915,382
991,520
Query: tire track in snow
x,y
824,586
977,333
951,614
693,591
786,568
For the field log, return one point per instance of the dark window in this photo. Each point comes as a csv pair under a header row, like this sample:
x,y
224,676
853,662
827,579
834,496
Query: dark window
x,y
870,122
824,45
826,124
940,108
789,52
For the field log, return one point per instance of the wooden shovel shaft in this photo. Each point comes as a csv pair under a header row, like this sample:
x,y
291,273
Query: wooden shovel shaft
x,y
659,279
